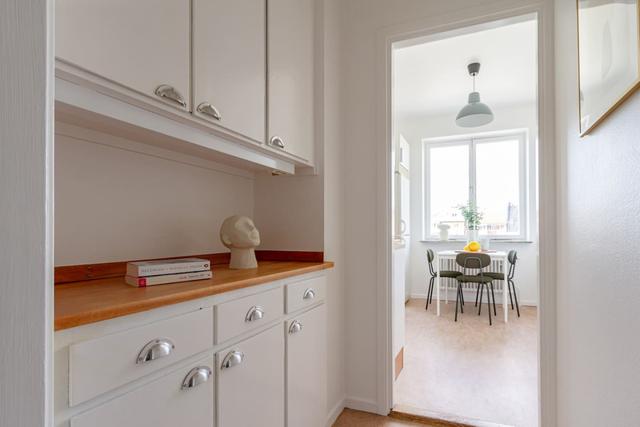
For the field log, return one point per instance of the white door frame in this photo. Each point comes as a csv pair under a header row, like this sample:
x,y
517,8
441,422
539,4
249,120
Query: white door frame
x,y
543,9
26,212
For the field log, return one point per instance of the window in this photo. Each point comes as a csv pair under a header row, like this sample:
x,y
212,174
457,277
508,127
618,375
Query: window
x,y
488,171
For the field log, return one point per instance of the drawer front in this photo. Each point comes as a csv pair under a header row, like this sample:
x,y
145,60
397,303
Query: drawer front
x,y
102,364
164,402
305,293
244,314
251,381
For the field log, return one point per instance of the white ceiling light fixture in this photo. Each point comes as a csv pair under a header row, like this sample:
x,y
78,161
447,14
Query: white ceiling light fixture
x,y
475,113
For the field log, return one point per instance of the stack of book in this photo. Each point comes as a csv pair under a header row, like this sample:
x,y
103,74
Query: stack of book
x,y
149,273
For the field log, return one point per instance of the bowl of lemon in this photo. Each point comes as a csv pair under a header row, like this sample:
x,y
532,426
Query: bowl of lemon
x,y
472,246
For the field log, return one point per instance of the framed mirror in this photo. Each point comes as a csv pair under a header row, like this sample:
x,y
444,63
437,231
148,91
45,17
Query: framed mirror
x,y
608,63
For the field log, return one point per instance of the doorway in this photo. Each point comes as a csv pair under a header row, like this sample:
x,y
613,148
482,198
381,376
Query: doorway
x,y
451,361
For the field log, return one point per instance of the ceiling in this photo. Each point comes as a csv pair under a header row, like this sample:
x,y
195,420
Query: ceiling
x,y
431,78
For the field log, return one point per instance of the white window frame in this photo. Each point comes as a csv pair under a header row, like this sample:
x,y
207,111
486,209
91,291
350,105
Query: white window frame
x,y
472,140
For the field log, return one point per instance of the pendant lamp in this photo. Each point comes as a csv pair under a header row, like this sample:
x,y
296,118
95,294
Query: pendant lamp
x,y
475,113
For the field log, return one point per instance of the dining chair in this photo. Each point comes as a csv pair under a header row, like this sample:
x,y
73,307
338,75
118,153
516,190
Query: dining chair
x,y
444,274
512,257
475,261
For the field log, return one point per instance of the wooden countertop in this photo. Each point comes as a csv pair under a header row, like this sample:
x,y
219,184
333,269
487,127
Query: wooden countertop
x,y
91,301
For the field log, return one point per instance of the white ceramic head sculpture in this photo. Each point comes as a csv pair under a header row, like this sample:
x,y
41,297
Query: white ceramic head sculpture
x,y
239,234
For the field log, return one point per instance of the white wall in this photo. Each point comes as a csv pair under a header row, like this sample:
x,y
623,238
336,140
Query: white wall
x,y
414,129
598,287
333,181
289,212
26,228
364,21
118,199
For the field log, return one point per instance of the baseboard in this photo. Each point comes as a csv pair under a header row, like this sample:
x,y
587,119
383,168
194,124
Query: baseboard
x,y
335,412
364,405
525,303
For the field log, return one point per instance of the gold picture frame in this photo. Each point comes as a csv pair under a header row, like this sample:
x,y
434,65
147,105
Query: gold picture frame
x,y
608,58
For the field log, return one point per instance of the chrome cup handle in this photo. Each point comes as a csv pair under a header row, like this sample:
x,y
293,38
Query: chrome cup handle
x,y
209,110
156,349
295,327
309,294
233,358
255,313
170,93
196,376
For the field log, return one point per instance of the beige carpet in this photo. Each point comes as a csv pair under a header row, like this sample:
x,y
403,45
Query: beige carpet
x,y
470,369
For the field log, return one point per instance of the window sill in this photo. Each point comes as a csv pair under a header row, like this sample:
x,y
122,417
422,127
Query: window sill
x,y
456,240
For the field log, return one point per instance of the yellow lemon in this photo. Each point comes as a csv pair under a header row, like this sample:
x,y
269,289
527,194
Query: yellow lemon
x,y
474,246
466,248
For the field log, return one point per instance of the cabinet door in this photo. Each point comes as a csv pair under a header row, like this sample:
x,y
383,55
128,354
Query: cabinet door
x,y
290,76
141,44
164,402
229,43
251,381
306,369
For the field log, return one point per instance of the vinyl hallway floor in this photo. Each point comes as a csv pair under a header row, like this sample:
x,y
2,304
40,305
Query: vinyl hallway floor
x,y
352,418
470,369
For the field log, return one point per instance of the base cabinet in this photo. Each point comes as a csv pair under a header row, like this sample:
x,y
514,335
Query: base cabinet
x,y
182,398
306,369
251,381
201,370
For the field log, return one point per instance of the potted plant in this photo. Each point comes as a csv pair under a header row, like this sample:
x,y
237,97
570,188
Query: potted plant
x,y
472,219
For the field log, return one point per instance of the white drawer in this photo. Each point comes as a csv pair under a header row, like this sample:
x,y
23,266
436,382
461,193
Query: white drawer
x,y
244,314
305,293
102,364
167,401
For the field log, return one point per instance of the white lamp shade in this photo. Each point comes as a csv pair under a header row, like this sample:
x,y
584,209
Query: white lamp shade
x,y
475,113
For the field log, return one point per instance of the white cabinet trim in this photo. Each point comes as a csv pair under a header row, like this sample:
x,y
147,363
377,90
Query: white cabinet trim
x,y
78,104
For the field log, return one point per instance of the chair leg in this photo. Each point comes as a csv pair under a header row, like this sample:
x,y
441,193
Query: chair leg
x,y
457,298
429,290
515,296
509,288
481,293
488,304
477,293
461,294
461,298
433,281
494,299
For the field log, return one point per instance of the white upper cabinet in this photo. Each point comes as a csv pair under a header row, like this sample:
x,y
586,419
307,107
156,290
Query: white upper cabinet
x,y
240,71
229,75
290,76
142,44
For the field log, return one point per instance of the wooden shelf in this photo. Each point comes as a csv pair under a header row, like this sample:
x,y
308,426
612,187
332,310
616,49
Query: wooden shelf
x,y
91,301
